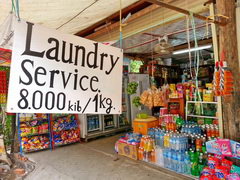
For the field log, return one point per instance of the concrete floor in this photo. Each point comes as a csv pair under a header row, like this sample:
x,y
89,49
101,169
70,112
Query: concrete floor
x,y
92,161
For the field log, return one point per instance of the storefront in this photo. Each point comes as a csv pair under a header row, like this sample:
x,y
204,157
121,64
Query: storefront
x,y
177,118
173,100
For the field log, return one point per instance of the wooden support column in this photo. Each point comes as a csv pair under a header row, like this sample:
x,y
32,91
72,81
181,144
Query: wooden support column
x,y
228,43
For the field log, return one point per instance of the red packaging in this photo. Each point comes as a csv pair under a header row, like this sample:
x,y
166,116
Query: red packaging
x,y
221,172
207,171
213,162
206,177
220,157
227,164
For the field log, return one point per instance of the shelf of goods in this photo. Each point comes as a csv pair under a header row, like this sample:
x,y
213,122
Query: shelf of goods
x,y
43,131
34,132
65,129
202,111
173,143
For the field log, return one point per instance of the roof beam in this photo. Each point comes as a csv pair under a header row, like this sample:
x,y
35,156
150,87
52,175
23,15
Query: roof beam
x,y
112,18
183,11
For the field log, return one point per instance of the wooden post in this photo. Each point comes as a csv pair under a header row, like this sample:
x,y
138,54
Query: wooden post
x,y
228,43
216,58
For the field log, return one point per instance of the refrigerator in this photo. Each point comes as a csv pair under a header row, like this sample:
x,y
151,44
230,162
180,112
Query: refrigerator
x,y
143,84
94,125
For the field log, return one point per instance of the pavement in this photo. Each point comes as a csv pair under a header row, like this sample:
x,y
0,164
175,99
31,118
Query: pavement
x,y
95,160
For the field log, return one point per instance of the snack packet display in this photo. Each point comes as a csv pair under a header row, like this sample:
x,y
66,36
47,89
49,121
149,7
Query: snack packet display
x,y
225,147
221,172
207,171
206,177
233,176
213,162
227,164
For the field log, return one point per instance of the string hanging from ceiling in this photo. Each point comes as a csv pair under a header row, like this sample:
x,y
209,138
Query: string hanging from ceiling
x,y
15,9
78,14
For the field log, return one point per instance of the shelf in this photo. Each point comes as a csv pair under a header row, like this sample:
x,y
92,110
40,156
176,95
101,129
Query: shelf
x,y
112,126
202,102
34,150
66,129
38,134
212,117
97,129
56,145
34,120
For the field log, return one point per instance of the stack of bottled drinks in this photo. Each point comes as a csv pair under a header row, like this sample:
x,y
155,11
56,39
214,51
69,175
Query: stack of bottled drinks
x,y
183,152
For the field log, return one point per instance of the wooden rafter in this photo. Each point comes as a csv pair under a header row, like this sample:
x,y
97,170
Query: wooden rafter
x,y
183,11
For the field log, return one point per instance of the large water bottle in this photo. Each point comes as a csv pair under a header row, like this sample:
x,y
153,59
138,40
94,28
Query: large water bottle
x,y
157,138
180,159
169,159
165,155
187,163
161,139
175,161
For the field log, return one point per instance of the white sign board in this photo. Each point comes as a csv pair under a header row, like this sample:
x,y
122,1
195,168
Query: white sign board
x,y
53,72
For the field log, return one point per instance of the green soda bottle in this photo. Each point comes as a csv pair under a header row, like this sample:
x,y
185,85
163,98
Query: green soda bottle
x,y
195,169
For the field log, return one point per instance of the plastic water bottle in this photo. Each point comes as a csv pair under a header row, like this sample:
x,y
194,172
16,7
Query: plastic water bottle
x,y
187,163
170,159
165,158
178,162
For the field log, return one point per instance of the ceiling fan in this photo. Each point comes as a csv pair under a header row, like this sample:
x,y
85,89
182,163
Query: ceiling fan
x,y
163,47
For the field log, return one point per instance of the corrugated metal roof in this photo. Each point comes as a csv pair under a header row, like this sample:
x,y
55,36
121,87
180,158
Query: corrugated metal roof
x,y
54,13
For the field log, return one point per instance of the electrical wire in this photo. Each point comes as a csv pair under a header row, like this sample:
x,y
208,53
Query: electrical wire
x,y
189,46
78,14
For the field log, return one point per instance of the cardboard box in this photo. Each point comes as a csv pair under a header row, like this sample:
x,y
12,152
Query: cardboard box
x,y
128,150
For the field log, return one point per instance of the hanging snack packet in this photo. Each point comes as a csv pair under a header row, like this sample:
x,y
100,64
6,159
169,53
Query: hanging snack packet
x,y
149,101
225,147
144,97
235,169
157,98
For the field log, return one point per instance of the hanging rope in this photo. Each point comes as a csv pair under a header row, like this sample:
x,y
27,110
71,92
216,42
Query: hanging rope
x,y
78,13
13,7
189,46
17,10
196,60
